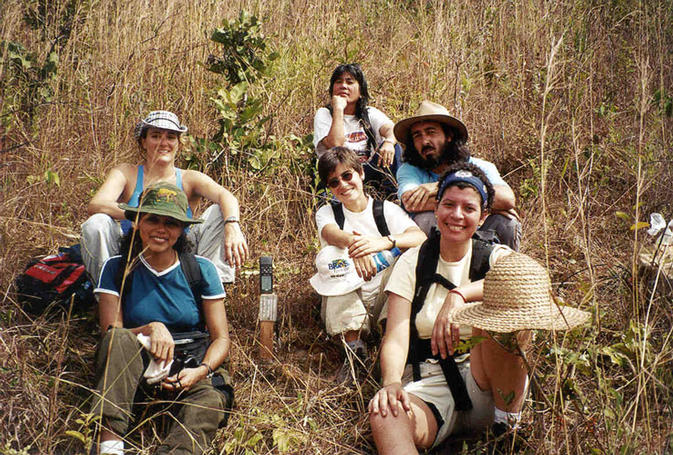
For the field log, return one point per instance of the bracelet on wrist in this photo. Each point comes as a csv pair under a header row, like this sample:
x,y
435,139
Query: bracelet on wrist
x,y
210,370
231,219
453,291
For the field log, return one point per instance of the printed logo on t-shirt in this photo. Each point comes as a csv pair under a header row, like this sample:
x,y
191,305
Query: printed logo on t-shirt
x,y
357,136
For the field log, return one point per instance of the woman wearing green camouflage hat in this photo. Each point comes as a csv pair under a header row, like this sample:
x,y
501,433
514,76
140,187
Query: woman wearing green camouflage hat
x,y
161,311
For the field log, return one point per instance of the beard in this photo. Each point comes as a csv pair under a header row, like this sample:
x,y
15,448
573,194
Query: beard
x,y
446,156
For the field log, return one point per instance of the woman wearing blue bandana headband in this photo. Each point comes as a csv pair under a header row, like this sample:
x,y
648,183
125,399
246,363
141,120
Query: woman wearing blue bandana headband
x,y
435,392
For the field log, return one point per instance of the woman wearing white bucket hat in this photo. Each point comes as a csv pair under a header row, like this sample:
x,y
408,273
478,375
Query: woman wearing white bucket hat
x,y
435,393
219,238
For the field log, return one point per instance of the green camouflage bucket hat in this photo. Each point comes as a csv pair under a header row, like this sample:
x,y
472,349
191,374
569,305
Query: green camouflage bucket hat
x,y
162,198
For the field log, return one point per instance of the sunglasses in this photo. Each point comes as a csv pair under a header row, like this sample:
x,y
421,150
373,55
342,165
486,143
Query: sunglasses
x,y
346,177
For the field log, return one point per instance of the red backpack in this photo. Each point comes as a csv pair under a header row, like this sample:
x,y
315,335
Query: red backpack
x,y
53,281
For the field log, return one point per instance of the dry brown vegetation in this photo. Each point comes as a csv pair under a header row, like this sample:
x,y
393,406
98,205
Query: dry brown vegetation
x,y
571,99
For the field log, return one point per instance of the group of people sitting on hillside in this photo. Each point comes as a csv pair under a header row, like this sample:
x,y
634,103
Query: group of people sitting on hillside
x,y
412,272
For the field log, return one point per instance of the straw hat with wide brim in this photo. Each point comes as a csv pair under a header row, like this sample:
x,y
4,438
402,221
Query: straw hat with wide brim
x,y
429,111
518,296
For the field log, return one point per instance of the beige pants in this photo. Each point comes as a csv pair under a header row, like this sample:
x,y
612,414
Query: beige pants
x,y
344,313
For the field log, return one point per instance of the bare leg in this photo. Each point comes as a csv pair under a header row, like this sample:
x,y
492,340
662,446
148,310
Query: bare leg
x,y
500,371
402,434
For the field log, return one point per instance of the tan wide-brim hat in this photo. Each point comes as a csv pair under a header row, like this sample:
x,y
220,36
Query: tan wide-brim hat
x,y
429,111
518,296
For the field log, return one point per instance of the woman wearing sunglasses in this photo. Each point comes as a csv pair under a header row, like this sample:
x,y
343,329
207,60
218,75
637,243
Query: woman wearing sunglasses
x,y
350,315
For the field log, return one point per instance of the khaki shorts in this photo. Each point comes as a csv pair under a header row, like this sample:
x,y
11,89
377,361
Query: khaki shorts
x,y
433,390
343,313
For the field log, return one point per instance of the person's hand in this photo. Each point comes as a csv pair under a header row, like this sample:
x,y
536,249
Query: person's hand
x,y
386,154
235,246
365,267
419,196
184,379
161,342
364,246
339,102
390,398
445,335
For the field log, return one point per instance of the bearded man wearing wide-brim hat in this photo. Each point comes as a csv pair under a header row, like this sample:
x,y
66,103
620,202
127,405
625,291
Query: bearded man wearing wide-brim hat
x,y
433,140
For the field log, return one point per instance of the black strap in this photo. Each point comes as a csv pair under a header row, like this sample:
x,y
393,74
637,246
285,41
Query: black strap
x,y
380,220
379,217
192,272
426,275
338,210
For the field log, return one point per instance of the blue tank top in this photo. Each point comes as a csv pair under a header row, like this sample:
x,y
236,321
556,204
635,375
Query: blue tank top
x,y
135,196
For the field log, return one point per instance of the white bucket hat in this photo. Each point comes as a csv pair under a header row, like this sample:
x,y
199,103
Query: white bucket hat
x,y
164,120
336,272
518,296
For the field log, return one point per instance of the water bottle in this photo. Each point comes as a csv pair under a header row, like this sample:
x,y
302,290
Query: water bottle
x,y
384,258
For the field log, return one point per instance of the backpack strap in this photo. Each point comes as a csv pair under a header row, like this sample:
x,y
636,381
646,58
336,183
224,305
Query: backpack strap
x,y
479,264
379,217
426,266
338,210
192,272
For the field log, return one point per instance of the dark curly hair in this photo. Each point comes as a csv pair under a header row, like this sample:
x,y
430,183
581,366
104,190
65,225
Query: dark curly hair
x,y
361,106
477,172
454,152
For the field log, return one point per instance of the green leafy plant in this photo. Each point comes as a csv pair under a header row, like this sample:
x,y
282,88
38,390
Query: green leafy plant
x,y
243,128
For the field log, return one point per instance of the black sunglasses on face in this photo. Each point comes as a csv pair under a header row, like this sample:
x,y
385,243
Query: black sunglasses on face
x,y
346,177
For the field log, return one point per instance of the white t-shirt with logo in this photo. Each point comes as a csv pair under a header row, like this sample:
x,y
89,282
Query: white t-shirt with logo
x,y
356,138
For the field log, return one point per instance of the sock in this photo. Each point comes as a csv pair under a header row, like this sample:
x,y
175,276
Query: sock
x,y
112,447
511,419
357,344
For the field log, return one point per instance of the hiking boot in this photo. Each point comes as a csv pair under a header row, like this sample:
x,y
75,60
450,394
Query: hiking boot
x,y
355,367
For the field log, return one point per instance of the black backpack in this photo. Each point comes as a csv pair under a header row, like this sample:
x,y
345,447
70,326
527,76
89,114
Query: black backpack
x,y
379,218
53,281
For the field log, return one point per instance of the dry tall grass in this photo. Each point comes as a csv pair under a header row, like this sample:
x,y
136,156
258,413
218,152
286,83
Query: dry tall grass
x,y
560,95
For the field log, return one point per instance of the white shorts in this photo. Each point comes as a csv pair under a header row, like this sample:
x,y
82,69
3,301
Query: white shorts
x,y
434,391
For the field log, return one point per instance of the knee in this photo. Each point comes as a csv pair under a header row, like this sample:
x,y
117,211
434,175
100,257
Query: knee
x,y
95,224
379,425
508,229
119,337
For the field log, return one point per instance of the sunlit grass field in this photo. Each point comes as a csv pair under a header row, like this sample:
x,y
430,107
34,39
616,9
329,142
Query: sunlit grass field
x,y
572,100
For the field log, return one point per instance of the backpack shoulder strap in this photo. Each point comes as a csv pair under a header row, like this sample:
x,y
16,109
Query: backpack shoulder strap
x,y
379,218
338,210
190,267
479,264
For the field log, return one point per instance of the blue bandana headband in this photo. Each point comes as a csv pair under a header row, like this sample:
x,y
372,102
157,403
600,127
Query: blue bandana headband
x,y
465,177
